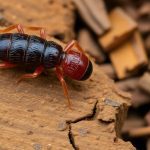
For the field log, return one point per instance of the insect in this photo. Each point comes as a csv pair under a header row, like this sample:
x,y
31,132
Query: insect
x,y
30,50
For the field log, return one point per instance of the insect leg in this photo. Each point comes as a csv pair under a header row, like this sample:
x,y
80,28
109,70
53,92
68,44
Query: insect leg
x,y
7,65
36,73
42,30
72,44
10,28
20,28
64,85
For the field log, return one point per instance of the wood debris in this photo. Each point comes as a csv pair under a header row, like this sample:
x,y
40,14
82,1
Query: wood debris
x,y
129,57
144,131
144,82
95,14
122,27
90,46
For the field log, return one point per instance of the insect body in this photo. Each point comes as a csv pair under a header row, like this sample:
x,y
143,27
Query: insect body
x,y
29,50
18,48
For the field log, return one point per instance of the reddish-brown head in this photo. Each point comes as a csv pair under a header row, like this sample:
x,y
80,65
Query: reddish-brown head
x,y
76,65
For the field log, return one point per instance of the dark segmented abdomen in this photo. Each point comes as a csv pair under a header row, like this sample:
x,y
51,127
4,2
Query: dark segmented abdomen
x,y
17,51
5,43
52,55
35,51
29,50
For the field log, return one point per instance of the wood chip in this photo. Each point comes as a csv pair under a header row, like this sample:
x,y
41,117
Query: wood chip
x,y
129,57
94,13
122,27
140,132
131,11
147,118
139,97
90,46
148,144
144,82
132,123
147,44
144,9
144,26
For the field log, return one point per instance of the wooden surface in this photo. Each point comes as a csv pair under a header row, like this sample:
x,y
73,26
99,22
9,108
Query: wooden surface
x,y
35,112
57,17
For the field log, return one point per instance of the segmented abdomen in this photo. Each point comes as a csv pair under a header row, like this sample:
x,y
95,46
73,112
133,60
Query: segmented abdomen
x,y
29,50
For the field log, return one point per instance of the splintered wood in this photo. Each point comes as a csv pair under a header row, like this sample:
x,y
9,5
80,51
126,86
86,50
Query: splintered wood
x,y
95,14
139,97
144,82
90,46
129,57
122,27
124,44
147,118
144,131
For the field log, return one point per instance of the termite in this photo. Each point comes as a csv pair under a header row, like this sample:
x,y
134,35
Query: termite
x,y
30,50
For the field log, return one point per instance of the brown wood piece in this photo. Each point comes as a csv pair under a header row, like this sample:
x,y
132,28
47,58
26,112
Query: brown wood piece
x,y
140,132
95,14
144,10
128,84
148,144
147,44
139,97
147,118
144,82
144,26
90,46
131,10
131,123
149,66
122,27
129,56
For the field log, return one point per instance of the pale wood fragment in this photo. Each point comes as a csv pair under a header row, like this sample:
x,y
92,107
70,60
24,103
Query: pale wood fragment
x,y
90,46
140,132
95,14
144,82
129,56
122,27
